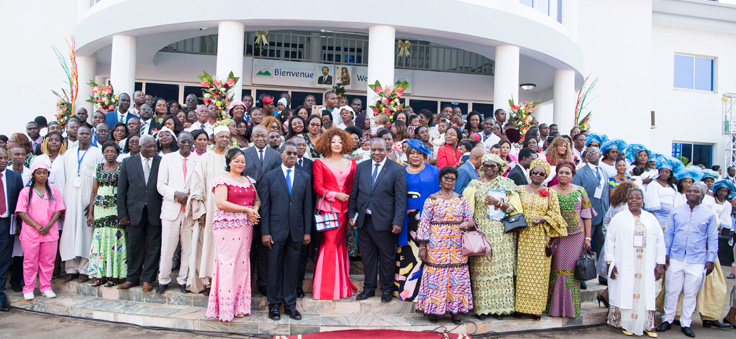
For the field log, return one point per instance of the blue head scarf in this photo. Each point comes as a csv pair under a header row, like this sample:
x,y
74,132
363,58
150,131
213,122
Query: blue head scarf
x,y
692,172
633,150
669,162
709,173
618,144
725,184
600,139
419,146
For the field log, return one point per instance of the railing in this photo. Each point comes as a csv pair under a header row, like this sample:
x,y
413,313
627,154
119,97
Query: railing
x,y
343,48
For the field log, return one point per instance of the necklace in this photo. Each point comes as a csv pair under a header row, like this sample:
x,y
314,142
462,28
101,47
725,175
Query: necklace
x,y
414,171
444,196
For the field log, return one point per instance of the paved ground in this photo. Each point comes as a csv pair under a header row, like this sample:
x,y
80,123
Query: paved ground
x,y
21,324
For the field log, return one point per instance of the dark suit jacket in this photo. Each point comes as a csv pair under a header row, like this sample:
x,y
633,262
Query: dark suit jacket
x,y
255,169
111,118
307,165
284,215
328,81
155,125
518,176
13,186
586,177
133,191
387,197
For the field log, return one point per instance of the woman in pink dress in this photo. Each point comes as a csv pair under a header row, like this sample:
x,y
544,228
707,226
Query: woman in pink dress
x,y
333,178
232,227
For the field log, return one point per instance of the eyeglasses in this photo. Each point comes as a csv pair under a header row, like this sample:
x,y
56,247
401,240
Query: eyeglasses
x,y
446,178
490,165
539,173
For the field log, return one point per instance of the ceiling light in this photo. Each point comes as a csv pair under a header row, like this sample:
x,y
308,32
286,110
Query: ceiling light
x,y
527,87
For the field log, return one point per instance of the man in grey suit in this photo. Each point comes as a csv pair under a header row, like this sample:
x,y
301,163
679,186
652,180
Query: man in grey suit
x,y
260,160
378,206
595,181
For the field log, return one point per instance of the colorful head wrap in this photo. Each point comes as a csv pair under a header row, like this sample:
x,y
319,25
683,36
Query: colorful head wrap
x,y
166,129
40,163
224,122
724,184
365,138
633,150
417,145
600,139
502,165
709,173
691,172
668,162
566,163
267,100
618,144
539,162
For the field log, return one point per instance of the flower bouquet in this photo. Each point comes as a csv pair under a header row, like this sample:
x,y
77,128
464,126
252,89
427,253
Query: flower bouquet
x,y
389,99
217,92
521,115
582,119
103,97
65,100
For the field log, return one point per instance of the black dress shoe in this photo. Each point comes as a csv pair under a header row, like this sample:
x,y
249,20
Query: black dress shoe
x,y
688,332
386,297
5,305
293,314
274,314
206,291
300,293
583,285
262,291
715,323
365,295
161,289
725,321
16,288
432,318
456,319
664,326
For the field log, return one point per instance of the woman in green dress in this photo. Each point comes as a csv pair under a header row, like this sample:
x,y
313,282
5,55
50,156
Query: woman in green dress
x,y
108,258
493,281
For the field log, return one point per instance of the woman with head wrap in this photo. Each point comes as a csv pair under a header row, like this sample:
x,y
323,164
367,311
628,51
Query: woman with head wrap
x,y
686,177
722,191
595,140
493,281
421,182
542,214
166,141
576,209
609,151
638,156
660,195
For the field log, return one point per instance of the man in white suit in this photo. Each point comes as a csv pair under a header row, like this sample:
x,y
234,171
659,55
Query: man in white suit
x,y
173,183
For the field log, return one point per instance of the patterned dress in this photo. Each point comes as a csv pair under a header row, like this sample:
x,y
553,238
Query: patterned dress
x,y
564,289
533,264
493,281
233,233
108,255
445,286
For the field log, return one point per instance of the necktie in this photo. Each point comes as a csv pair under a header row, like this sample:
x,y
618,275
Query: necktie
x,y
597,175
260,155
121,118
375,174
143,128
301,165
288,179
184,168
147,170
2,195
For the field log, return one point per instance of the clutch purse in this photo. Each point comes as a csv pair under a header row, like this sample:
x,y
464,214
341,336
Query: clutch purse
x,y
325,221
514,223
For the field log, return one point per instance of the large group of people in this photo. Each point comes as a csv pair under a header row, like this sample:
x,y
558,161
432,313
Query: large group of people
x,y
127,197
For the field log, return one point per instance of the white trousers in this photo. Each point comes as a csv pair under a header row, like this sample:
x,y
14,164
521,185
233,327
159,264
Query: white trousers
x,y
172,232
78,265
682,276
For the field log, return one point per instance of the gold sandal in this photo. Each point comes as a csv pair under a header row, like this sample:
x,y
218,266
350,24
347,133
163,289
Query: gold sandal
x,y
651,334
628,333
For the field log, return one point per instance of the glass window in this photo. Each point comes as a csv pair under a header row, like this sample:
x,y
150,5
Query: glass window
x,y
485,109
693,73
463,106
529,3
196,90
166,91
297,98
698,154
138,86
417,105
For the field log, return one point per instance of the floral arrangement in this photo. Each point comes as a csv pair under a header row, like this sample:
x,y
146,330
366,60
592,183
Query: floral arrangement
x,y
582,119
65,100
103,97
389,99
521,116
218,92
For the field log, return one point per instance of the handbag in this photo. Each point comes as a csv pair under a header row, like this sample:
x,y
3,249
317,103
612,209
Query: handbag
x,y
514,223
585,268
325,221
475,243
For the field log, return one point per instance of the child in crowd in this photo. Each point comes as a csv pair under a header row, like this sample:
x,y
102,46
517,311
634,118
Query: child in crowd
x,y
496,149
364,152
39,206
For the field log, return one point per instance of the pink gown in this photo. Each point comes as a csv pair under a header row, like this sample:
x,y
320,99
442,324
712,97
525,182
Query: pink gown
x,y
233,234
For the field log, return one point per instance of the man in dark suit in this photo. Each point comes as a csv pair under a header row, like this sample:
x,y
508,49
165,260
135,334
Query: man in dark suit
x,y
595,181
378,201
148,124
139,208
121,113
286,224
326,78
259,160
520,173
10,186
305,165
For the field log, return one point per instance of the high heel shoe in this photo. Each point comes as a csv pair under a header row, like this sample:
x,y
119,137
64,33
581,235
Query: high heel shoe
x,y
603,300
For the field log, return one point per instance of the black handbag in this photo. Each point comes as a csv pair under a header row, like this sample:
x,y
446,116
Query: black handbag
x,y
514,223
585,268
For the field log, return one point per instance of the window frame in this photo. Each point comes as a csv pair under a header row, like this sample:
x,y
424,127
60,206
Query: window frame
x,y
713,75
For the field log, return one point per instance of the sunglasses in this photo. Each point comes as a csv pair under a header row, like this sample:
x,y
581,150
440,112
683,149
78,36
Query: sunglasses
x,y
539,173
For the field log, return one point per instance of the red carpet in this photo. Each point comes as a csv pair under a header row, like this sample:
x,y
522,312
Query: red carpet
x,y
373,334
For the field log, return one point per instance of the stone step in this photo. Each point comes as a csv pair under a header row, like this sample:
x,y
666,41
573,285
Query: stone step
x,y
258,302
192,317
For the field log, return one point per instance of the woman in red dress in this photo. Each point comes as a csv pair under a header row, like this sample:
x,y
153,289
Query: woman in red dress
x,y
333,179
448,155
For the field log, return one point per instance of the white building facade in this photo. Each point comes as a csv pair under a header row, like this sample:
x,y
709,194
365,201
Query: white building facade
x,y
470,53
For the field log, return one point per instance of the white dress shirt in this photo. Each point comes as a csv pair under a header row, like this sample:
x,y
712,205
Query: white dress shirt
x,y
602,182
291,177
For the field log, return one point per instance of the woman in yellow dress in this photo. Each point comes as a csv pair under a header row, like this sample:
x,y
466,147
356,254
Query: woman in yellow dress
x,y
542,213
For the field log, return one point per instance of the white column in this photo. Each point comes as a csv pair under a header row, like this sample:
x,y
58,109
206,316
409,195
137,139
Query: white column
x,y
570,17
86,67
381,52
506,76
564,98
230,48
122,64
315,47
